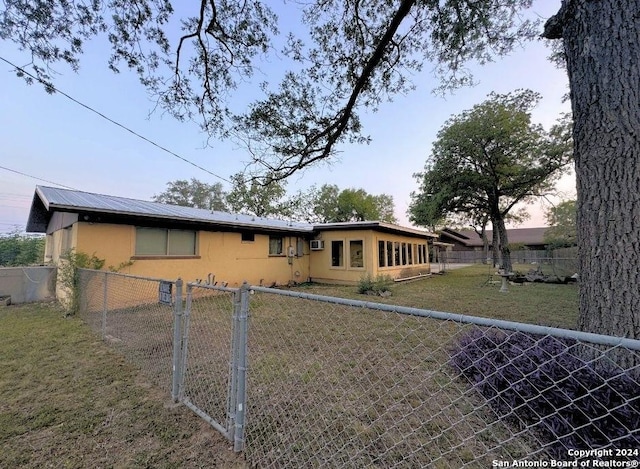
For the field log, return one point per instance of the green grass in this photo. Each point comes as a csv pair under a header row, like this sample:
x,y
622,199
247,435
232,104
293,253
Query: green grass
x,y
474,290
68,400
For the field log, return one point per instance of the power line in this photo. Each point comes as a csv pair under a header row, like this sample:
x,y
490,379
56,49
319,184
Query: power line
x,y
34,177
50,86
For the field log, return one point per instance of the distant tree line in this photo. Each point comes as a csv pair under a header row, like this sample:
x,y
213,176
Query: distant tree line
x,y
18,249
325,204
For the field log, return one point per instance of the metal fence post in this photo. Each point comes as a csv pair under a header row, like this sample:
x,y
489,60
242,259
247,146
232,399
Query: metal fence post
x,y
177,341
233,374
185,342
241,369
105,306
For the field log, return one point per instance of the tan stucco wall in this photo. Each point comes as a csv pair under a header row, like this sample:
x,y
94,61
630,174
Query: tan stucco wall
x,y
229,259
322,271
222,254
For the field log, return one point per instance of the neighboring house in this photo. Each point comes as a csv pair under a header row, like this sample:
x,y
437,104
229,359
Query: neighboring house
x,y
169,241
466,245
469,240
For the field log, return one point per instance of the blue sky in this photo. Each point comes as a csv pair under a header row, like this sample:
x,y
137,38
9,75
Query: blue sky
x,y
50,137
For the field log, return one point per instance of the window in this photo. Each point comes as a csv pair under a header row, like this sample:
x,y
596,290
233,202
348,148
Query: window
x,y
403,253
164,242
381,254
337,253
420,258
389,253
410,253
396,252
248,237
356,248
275,246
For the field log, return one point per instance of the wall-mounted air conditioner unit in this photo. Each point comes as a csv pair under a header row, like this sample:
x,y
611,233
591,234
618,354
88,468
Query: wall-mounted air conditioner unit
x,y
317,244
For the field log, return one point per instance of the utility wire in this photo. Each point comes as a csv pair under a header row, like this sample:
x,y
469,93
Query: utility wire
x,y
50,86
39,179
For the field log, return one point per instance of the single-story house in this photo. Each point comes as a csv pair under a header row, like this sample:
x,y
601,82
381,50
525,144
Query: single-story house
x,y
469,240
169,241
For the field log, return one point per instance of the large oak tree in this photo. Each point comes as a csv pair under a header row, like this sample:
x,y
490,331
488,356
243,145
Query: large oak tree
x,y
489,159
354,54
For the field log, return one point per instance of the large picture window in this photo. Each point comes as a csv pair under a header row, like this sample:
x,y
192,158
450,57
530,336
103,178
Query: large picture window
x,y
165,242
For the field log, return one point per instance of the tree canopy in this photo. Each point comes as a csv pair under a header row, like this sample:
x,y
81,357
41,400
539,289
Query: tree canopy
x,y
340,58
330,205
19,249
193,193
561,219
352,55
326,204
250,197
487,160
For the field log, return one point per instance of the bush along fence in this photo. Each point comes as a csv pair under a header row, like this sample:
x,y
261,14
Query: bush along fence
x,y
300,380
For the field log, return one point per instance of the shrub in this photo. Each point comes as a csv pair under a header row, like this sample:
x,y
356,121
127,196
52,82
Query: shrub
x,y
376,285
68,276
544,384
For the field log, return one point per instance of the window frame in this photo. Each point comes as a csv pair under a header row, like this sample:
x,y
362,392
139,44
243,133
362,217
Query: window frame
x,y
351,258
167,244
341,257
281,252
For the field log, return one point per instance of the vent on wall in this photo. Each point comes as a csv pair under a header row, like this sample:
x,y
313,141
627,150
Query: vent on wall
x,y
317,244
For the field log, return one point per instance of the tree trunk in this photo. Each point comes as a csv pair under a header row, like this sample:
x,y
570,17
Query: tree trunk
x,y
602,46
505,252
495,241
485,241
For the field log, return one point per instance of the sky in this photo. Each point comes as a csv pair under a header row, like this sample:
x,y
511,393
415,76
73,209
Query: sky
x,y
52,138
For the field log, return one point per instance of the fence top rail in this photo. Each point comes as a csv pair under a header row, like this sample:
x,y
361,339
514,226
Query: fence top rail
x,y
599,339
119,274
212,287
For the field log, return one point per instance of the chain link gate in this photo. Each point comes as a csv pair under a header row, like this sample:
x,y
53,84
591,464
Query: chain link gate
x,y
210,343
346,383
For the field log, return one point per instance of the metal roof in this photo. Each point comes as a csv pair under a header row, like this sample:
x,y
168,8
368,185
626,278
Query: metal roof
x,y
376,225
53,198
47,200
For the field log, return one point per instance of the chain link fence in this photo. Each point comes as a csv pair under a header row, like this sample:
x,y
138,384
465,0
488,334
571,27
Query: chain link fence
x,y
125,310
299,380
556,265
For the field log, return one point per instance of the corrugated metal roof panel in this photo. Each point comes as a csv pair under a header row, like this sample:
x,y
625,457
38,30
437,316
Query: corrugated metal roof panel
x,y
69,199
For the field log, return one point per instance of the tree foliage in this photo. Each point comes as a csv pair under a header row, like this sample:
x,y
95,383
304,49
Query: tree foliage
x,y
330,205
193,193
562,224
348,56
249,196
487,160
19,249
262,200
351,56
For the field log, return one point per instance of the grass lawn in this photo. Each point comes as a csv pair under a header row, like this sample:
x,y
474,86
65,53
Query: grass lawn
x,y
474,290
68,400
